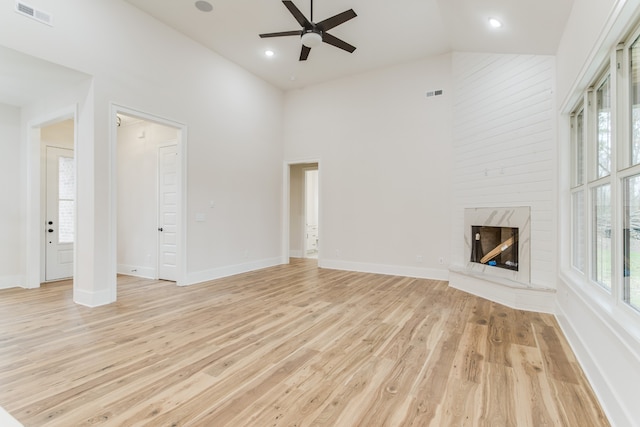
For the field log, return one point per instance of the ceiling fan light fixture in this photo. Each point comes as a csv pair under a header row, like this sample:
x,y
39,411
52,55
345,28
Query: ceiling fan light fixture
x,y
311,39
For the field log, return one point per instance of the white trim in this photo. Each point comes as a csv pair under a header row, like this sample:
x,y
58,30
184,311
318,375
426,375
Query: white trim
x,y
6,282
6,420
34,259
606,353
392,270
181,250
230,270
92,299
137,271
619,21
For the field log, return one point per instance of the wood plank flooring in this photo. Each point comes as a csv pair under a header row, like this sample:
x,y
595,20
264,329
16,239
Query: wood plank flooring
x,y
290,345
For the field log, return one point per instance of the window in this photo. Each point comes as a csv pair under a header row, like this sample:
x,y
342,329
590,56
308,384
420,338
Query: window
x,y
577,197
66,199
604,192
603,114
634,60
602,235
578,250
631,272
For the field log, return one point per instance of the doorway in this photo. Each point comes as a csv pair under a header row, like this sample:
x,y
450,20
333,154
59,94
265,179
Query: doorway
x,y
57,198
312,240
304,210
148,197
59,213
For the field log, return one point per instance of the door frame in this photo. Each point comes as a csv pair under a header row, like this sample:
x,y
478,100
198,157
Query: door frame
x,y
286,206
181,142
35,259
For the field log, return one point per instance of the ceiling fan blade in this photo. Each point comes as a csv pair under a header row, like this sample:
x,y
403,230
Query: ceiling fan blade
x,y
336,20
282,34
304,53
297,14
334,41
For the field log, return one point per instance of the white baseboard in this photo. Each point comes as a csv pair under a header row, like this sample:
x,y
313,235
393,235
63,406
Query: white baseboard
x,y
231,270
608,355
92,299
7,282
6,420
137,271
520,298
393,270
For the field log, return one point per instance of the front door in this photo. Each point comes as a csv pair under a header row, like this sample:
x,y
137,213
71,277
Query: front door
x,y
60,213
168,212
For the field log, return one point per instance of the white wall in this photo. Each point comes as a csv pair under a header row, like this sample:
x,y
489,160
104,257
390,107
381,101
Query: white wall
x,y
504,147
385,156
605,338
234,148
11,244
137,159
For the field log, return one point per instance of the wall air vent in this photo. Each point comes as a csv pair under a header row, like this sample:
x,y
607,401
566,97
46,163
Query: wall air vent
x,y
434,93
33,13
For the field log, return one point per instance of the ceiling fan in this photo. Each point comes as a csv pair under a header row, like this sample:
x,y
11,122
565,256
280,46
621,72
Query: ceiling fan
x,y
312,33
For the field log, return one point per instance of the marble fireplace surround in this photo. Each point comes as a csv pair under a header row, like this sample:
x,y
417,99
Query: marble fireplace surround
x,y
508,287
515,217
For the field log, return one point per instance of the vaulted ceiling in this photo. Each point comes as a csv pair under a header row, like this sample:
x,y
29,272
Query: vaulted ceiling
x,y
384,32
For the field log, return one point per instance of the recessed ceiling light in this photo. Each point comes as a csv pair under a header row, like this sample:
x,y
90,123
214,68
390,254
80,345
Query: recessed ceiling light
x,y
204,6
269,53
495,23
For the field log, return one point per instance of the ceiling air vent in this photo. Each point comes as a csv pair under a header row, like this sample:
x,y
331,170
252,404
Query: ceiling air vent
x,y
33,13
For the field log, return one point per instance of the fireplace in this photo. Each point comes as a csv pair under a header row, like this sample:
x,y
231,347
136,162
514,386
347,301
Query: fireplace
x,y
495,246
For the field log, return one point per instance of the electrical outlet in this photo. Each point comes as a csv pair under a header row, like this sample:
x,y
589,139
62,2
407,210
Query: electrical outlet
x,y
337,253
441,260
419,258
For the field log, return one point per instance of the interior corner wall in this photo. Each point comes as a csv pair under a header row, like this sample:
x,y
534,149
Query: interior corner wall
x,y
11,214
505,147
604,337
234,123
385,152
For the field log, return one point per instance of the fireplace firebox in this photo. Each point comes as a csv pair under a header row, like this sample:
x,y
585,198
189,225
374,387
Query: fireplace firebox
x,y
495,246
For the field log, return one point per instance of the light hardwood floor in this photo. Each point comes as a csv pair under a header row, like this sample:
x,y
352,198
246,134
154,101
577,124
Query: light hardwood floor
x,y
287,346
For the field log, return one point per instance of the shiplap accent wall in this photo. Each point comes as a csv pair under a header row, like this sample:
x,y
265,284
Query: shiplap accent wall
x,y
504,147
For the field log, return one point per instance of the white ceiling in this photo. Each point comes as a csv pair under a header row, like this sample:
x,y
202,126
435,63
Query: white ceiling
x,y
385,32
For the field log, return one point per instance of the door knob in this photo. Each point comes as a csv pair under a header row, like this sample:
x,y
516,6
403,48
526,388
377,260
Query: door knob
x,y
159,228
50,230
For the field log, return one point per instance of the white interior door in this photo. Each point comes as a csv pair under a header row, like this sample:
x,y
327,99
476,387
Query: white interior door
x,y
60,216
168,212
